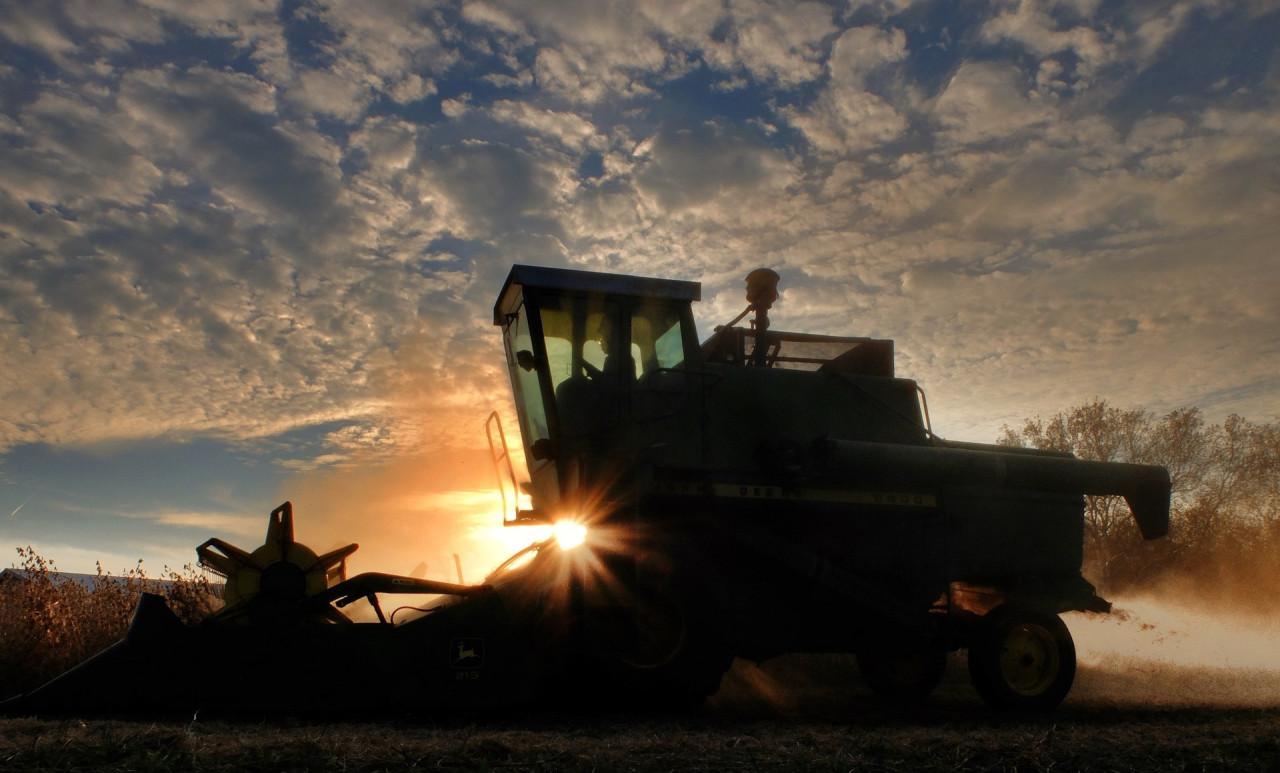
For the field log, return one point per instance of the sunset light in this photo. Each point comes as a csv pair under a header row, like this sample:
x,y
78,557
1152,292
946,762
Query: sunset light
x,y
320,204
570,534
628,341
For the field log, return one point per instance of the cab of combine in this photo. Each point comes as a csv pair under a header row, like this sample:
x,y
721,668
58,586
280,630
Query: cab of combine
x,y
607,371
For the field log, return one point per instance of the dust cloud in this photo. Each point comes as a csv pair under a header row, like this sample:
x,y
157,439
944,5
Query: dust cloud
x,y
1200,635
1151,652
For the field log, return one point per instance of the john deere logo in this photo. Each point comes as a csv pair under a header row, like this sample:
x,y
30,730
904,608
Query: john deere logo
x,y
466,653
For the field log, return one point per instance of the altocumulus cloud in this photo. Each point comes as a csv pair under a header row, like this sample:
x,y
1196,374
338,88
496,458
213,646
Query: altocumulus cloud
x,y
279,228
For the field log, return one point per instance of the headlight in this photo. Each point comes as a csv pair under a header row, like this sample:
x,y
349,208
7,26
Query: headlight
x,y
569,534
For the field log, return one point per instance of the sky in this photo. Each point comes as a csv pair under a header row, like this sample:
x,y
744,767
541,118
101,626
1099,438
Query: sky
x,y
249,250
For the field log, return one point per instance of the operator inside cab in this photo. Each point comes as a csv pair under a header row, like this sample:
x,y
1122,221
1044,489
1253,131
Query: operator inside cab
x,y
618,365
590,401
624,349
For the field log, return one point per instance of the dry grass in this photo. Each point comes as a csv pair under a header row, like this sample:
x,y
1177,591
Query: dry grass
x,y
48,623
794,717
1084,740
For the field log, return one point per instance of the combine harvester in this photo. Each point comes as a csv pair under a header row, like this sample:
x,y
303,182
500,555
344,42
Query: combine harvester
x,y
757,494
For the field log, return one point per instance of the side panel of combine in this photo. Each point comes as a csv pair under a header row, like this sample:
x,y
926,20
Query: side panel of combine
x,y
833,575
1018,538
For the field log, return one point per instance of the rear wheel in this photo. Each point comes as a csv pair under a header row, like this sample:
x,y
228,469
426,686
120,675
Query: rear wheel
x,y
1022,658
902,675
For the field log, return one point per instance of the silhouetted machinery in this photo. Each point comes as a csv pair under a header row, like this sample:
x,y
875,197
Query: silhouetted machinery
x,y
760,493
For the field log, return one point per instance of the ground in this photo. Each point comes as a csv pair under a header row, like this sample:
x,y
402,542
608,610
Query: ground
x,y
769,719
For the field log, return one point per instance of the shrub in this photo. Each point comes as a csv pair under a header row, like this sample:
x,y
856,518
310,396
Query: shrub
x,y
50,622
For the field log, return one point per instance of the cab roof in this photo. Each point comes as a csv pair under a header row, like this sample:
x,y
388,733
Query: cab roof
x,y
573,280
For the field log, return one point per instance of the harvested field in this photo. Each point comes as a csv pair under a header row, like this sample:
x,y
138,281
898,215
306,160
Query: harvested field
x,y
815,719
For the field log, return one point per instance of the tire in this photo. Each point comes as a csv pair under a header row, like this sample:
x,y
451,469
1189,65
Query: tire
x,y
903,676
1022,659
677,663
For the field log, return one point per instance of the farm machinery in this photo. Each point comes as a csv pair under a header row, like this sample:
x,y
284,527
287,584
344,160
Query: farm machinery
x,y
756,494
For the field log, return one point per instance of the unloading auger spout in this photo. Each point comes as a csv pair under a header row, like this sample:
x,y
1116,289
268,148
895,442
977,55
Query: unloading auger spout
x,y
1146,488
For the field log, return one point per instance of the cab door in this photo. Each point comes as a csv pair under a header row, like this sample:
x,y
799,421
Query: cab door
x,y
526,362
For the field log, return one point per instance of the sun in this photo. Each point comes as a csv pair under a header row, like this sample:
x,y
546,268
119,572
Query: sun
x,y
570,534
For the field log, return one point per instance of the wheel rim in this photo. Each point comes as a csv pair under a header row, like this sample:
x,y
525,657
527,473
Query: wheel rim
x,y
1029,660
662,631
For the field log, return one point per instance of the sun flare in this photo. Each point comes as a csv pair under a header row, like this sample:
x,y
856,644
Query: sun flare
x,y
569,534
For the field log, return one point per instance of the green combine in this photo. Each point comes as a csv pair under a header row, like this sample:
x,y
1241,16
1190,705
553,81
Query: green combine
x,y
759,493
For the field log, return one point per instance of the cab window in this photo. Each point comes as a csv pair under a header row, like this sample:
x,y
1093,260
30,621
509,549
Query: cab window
x,y
657,337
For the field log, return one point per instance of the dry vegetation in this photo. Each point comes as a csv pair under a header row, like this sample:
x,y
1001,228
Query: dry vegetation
x,y
49,623
858,737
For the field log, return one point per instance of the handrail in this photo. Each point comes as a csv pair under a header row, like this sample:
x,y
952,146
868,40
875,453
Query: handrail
x,y
498,457
924,406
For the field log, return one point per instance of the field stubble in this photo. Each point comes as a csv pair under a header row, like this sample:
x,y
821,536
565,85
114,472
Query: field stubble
x,y
793,713
798,713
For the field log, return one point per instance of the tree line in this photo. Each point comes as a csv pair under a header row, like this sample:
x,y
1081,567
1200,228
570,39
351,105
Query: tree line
x,y
1225,517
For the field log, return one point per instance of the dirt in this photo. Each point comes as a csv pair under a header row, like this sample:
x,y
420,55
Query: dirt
x,y
797,714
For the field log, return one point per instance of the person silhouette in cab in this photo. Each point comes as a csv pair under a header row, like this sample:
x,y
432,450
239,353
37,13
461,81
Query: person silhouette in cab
x,y
591,401
617,360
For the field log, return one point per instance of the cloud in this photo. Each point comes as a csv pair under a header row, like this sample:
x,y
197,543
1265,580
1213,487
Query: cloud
x,y
1039,28
848,117
387,38
492,16
229,138
988,101
698,165
183,267
847,121
71,156
576,76
228,525
860,51
222,219
36,28
387,146
776,43
331,93
412,88
569,129
1156,25
482,187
